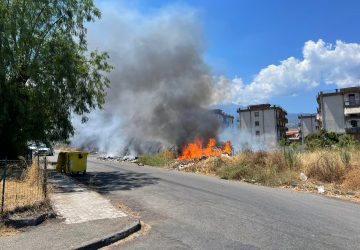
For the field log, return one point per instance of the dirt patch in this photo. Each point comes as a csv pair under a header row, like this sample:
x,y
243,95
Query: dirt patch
x,y
7,231
128,210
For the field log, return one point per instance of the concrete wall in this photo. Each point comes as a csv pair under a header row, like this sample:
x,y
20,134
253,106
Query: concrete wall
x,y
265,130
308,125
333,113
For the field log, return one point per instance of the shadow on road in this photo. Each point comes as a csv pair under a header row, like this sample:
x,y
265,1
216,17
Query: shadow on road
x,y
104,182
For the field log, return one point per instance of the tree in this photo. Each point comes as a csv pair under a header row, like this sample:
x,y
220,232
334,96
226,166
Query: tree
x,y
47,72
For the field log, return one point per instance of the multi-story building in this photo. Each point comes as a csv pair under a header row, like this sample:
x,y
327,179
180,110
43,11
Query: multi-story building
x,y
264,122
339,111
224,119
307,124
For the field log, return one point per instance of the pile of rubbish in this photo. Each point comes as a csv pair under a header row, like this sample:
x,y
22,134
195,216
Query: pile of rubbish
x,y
116,158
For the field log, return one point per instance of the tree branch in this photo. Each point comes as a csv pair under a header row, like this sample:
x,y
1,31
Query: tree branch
x,y
46,33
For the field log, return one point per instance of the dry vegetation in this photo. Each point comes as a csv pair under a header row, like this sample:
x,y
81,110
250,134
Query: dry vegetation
x,y
159,160
335,168
23,192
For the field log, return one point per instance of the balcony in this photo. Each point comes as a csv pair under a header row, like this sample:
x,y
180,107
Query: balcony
x,y
354,130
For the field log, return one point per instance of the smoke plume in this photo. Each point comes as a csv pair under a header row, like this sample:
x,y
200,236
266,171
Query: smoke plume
x,y
160,86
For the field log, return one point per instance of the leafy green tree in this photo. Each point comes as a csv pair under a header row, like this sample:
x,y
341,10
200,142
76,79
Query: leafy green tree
x,y
47,72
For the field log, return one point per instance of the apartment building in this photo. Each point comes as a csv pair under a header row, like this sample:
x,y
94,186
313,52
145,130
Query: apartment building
x,y
224,119
264,122
308,124
339,111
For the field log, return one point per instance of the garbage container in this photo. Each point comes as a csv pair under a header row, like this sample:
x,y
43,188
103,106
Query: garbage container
x,y
72,162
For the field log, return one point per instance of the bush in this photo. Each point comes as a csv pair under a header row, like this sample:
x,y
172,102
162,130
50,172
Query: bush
x,y
345,157
325,166
347,141
320,140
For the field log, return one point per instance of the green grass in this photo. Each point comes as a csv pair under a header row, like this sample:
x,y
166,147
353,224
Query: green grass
x,y
157,160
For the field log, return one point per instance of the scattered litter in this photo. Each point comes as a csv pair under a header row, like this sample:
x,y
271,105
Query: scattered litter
x,y
129,158
303,177
321,189
294,184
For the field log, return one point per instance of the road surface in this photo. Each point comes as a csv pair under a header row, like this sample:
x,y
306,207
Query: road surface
x,y
190,211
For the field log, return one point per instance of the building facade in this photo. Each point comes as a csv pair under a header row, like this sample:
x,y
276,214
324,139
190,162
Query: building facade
x,y
339,111
263,122
308,124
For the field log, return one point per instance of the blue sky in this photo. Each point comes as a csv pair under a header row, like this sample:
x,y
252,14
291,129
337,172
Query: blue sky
x,y
244,37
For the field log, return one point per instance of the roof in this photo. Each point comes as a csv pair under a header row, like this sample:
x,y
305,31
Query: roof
x,y
292,132
222,113
339,91
265,106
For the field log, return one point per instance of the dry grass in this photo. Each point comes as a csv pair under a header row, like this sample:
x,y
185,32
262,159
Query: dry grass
x,y
23,192
159,160
7,231
352,179
324,165
276,168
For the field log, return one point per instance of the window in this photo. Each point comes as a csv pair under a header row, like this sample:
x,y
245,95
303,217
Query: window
x,y
352,99
257,123
256,114
257,132
354,123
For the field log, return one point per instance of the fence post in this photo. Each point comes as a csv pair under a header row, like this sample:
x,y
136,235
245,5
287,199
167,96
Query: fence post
x,y
45,178
3,188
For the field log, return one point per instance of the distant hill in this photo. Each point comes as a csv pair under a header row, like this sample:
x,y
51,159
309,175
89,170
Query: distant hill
x,y
293,122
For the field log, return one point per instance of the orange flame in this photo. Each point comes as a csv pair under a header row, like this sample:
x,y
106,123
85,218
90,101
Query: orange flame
x,y
195,150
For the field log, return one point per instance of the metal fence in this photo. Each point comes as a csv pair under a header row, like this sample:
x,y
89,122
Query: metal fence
x,y
23,183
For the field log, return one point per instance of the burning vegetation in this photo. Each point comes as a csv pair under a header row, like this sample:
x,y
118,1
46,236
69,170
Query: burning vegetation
x,y
196,150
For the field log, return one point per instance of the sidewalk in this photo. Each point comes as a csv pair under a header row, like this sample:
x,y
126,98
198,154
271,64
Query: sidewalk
x,y
84,218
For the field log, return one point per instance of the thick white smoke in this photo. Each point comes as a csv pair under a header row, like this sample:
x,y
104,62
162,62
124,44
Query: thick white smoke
x,y
160,87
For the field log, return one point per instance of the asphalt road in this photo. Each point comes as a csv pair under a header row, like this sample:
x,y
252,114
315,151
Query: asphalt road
x,y
189,211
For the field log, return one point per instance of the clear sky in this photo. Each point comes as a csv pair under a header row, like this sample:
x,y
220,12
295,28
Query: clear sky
x,y
244,37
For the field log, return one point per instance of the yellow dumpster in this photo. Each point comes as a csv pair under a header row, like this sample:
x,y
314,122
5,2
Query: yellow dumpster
x,y
72,162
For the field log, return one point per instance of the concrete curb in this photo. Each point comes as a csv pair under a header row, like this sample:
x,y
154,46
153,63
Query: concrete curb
x,y
107,240
32,221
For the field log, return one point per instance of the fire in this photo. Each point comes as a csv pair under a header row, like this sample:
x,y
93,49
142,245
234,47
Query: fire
x,y
195,150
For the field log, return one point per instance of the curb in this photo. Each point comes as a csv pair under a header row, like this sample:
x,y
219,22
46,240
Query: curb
x,y
111,238
34,221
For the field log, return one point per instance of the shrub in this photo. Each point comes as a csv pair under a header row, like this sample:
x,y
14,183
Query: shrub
x,y
345,157
347,141
324,166
290,158
320,140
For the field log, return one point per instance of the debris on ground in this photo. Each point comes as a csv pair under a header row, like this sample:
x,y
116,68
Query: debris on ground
x,y
116,158
321,189
303,177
